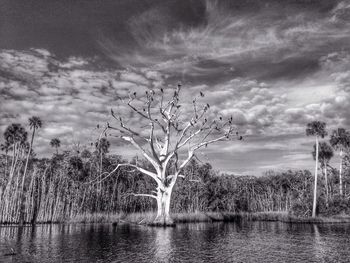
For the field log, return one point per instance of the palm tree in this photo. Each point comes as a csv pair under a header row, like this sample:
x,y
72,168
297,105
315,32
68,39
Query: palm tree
x,y
317,129
340,141
16,139
15,133
102,145
55,143
324,155
34,124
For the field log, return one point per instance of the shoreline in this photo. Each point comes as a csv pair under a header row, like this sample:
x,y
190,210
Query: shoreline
x,y
146,218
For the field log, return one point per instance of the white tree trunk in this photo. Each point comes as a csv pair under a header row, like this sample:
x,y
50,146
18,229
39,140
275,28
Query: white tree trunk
x,y
326,182
315,186
163,206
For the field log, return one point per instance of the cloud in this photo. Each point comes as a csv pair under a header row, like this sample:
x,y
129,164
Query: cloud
x,y
273,67
72,100
286,40
70,96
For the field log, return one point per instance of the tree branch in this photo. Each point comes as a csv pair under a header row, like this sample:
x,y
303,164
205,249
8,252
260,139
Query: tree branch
x,y
144,195
144,171
155,163
144,115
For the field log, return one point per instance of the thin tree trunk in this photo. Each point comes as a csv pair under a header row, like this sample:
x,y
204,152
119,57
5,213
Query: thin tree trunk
x,y
326,182
100,184
23,188
340,174
27,159
13,165
6,164
315,186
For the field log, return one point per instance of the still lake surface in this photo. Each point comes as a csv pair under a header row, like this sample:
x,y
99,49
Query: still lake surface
x,y
203,242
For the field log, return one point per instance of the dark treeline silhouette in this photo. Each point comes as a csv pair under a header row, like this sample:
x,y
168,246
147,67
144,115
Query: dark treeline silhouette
x,y
74,182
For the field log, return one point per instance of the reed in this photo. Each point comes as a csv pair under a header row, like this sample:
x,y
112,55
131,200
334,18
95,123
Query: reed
x,y
196,217
96,218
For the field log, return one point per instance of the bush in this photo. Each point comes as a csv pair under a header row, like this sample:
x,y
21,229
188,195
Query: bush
x,y
337,205
301,209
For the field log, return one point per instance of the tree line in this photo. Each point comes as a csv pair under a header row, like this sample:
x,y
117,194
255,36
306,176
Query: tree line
x,y
322,153
73,182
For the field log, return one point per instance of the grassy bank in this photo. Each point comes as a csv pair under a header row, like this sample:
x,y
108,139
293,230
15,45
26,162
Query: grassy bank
x,y
148,217
286,218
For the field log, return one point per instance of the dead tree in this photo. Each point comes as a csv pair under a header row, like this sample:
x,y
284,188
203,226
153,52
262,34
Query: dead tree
x,y
168,134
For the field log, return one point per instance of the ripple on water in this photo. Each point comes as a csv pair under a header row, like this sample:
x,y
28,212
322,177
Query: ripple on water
x,y
203,242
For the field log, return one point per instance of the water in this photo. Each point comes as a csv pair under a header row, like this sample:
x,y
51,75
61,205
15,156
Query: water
x,y
219,242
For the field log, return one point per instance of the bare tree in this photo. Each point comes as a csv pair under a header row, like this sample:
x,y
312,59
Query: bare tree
x,y
168,134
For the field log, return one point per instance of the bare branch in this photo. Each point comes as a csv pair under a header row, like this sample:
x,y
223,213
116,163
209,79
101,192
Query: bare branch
x,y
209,142
184,163
144,115
144,171
151,142
169,133
155,163
144,195
172,176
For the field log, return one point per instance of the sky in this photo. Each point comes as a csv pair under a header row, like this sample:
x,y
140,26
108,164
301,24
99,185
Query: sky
x,y
273,65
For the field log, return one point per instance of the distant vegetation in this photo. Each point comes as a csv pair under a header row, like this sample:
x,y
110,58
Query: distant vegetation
x,y
62,187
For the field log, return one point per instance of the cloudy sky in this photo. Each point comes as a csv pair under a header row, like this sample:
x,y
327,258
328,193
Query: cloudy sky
x,y
273,65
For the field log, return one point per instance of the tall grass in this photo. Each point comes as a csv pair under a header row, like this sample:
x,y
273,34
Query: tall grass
x,y
96,218
196,217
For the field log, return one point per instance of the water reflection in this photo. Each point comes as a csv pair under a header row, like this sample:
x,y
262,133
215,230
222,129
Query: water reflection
x,y
318,246
220,242
163,244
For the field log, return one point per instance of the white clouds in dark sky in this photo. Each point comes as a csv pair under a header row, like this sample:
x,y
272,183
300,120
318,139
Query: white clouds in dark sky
x,y
272,71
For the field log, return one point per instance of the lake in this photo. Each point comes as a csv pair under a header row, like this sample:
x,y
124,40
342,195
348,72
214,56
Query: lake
x,y
201,242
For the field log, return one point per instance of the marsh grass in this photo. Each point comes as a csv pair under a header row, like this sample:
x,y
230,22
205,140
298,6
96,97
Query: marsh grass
x,y
196,217
287,218
96,218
